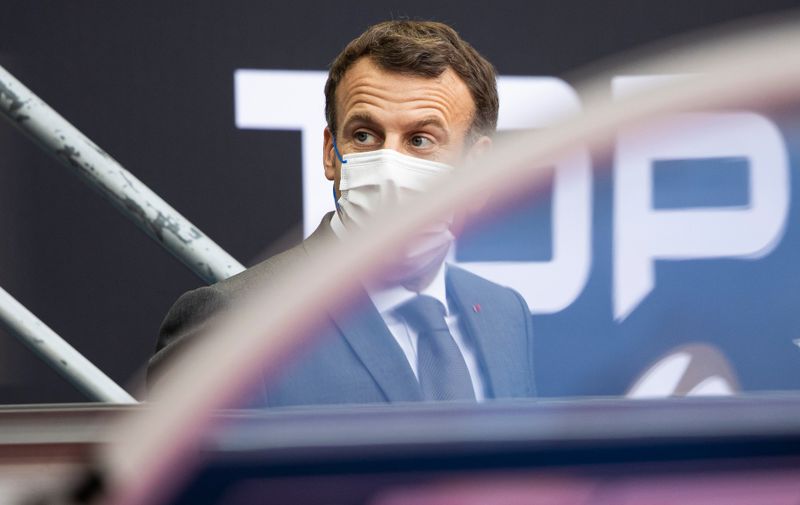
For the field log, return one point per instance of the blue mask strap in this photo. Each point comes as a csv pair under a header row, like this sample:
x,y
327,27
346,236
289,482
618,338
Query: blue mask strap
x,y
336,150
335,201
343,161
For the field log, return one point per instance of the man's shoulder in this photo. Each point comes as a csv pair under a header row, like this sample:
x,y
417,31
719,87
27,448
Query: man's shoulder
x,y
262,271
192,314
465,278
476,287
276,264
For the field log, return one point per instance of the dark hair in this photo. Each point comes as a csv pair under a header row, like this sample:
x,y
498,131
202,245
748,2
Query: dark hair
x,y
426,49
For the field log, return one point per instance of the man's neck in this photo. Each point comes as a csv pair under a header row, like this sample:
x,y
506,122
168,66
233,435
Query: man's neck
x,y
387,296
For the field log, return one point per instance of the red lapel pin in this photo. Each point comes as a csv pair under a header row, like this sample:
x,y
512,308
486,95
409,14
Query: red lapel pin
x,y
476,308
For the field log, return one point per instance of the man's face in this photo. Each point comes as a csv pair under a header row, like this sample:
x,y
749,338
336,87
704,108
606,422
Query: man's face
x,y
417,116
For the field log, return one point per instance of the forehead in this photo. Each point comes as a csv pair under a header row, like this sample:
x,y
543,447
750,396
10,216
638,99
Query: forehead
x,y
395,98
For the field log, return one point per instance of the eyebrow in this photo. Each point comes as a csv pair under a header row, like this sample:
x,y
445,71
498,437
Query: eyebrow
x,y
367,119
429,121
360,117
436,122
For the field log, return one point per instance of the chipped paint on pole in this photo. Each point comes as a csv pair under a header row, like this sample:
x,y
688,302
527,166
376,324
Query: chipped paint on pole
x,y
59,354
163,223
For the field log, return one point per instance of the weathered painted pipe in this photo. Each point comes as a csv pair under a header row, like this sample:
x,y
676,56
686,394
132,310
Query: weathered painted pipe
x,y
163,223
59,354
153,215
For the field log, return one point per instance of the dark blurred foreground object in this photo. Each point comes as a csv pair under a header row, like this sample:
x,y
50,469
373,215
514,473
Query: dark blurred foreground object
x,y
675,451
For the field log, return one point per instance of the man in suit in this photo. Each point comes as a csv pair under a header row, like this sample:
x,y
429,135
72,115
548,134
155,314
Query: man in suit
x,y
405,102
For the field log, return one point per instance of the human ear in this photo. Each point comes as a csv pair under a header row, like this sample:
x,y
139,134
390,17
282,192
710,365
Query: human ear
x,y
329,160
479,147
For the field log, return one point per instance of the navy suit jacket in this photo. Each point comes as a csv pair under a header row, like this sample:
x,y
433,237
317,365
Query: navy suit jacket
x,y
357,360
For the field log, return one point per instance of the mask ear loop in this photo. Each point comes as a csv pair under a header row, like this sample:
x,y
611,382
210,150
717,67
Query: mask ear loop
x,y
336,150
335,201
342,161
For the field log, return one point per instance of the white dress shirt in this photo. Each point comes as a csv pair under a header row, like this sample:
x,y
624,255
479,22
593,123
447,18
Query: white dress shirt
x,y
388,300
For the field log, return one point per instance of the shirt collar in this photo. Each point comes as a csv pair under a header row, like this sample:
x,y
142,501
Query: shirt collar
x,y
388,299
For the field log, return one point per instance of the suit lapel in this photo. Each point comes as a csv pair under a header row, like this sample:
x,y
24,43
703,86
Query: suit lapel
x,y
488,313
487,325
366,332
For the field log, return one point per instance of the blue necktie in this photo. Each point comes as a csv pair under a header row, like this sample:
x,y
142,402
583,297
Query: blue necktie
x,y
443,373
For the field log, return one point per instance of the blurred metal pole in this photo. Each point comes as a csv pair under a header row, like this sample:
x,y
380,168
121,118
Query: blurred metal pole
x,y
153,215
59,354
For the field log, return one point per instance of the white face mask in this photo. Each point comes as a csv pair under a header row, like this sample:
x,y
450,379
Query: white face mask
x,y
375,179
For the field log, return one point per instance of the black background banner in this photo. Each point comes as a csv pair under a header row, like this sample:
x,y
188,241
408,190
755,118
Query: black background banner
x,y
152,83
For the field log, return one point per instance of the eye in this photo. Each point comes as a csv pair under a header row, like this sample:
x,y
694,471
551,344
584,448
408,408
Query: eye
x,y
421,142
363,137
